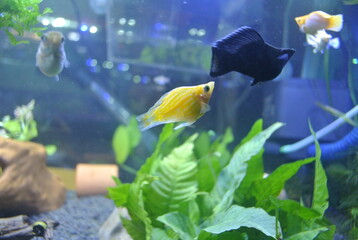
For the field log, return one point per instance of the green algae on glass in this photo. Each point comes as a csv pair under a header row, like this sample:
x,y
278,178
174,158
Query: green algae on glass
x,y
20,16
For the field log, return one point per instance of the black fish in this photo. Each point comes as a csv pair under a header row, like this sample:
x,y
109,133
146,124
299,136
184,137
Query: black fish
x,y
246,52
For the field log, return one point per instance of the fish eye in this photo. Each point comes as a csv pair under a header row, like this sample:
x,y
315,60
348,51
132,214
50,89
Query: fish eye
x,y
206,88
62,39
43,37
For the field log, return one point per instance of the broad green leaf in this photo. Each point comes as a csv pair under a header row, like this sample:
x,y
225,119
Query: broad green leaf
x,y
231,235
151,163
320,190
121,144
135,228
309,234
208,171
202,145
119,194
176,181
31,131
135,205
295,208
180,224
275,182
255,129
237,216
219,147
327,235
206,205
160,234
215,159
134,133
255,171
231,176
12,126
191,210
172,142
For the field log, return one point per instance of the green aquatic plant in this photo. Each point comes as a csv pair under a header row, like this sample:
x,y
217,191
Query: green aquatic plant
x,y
23,127
336,113
124,140
18,16
200,190
344,180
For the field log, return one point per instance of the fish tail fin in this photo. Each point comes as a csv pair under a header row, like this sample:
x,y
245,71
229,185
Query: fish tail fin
x,y
335,43
146,121
335,23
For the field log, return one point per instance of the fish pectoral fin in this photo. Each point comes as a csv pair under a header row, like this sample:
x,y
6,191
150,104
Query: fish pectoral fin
x,y
311,40
255,81
204,108
335,43
67,64
184,124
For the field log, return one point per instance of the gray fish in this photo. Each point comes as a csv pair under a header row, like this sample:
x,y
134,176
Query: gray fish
x,y
51,56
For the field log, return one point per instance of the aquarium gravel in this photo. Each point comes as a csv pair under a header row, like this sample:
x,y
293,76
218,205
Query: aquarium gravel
x,y
80,217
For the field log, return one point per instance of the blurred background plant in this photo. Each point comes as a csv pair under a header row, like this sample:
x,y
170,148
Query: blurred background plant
x,y
18,16
124,141
350,2
344,194
23,127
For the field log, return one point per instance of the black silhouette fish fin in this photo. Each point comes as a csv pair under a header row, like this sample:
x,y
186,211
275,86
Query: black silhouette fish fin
x,y
255,81
238,39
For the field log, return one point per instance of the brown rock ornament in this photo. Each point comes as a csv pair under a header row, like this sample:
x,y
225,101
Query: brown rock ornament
x,y
26,185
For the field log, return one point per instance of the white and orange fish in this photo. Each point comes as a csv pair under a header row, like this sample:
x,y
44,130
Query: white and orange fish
x,y
51,56
182,104
319,20
322,41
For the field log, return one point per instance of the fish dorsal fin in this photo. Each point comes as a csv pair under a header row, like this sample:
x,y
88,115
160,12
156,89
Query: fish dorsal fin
x,y
238,39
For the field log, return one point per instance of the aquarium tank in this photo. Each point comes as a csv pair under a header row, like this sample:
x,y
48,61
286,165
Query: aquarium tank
x,y
218,119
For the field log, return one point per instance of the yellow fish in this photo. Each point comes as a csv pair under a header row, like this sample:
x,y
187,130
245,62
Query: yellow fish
x,y
319,20
51,56
182,104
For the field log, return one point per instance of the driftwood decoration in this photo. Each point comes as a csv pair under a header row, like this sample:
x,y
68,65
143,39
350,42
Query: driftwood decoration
x,y
20,228
26,185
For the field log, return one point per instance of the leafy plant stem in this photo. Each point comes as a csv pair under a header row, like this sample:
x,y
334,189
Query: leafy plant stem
x,y
128,169
326,75
350,81
278,233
